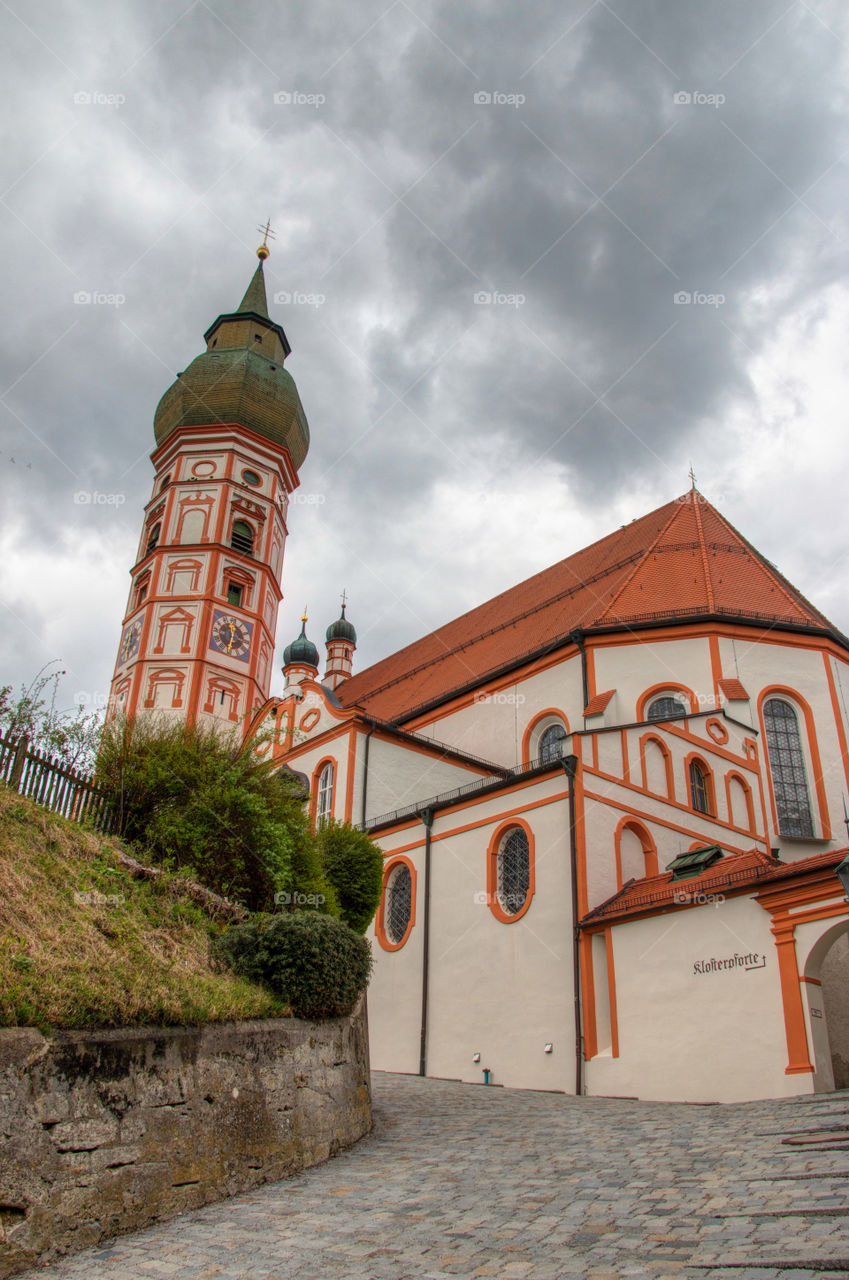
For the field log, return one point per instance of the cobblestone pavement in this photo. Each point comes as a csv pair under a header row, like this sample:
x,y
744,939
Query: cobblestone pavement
x,y
463,1180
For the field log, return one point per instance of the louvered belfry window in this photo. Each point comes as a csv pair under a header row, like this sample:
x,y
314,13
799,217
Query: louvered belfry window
x,y
398,903
787,767
513,872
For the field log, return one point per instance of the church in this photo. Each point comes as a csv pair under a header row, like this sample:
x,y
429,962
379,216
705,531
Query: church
x,y
610,800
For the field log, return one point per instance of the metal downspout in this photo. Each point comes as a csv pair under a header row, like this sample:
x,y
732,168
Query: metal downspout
x,y
427,819
570,768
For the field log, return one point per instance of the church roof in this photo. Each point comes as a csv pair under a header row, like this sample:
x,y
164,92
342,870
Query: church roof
x,y
737,873
679,563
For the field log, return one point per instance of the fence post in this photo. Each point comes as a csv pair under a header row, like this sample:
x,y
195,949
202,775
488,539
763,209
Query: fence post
x,y
18,763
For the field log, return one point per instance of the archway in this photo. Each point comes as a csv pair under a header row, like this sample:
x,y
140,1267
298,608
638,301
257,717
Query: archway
x,y
826,980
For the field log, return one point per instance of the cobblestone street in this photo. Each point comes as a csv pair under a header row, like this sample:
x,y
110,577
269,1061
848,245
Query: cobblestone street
x,y
461,1180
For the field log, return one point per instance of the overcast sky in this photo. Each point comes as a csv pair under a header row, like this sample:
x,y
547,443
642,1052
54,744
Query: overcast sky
x,y
483,213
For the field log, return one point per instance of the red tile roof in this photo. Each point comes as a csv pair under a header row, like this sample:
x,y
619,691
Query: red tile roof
x,y
596,705
679,561
729,875
733,689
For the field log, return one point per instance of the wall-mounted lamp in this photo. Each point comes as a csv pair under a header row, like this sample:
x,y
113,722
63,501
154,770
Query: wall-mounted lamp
x,y
549,1048
476,1057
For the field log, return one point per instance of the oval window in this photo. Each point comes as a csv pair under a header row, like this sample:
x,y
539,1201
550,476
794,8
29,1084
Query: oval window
x,y
513,872
398,903
251,477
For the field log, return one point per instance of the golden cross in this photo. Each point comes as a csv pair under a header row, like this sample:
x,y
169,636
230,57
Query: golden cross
x,y
344,599
266,232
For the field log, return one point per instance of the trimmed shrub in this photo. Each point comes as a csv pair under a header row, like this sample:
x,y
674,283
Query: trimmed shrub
x,y
190,798
353,865
317,964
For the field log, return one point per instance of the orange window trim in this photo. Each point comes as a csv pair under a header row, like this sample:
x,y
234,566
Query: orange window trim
x,y
396,860
492,870
799,704
707,772
667,758
838,718
730,777
316,775
554,713
667,687
648,846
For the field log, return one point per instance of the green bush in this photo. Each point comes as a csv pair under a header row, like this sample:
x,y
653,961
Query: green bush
x,y
317,964
353,866
190,798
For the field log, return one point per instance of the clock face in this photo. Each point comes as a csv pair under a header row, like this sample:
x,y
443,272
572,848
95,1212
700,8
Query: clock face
x,y
231,635
130,641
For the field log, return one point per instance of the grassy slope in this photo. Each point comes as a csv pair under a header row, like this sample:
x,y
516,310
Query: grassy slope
x,y
71,964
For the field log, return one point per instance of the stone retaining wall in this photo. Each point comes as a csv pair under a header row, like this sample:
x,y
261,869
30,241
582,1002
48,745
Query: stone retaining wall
x,y
104,1132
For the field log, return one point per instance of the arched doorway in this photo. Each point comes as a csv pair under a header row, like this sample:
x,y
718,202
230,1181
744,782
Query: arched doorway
x,y
827,983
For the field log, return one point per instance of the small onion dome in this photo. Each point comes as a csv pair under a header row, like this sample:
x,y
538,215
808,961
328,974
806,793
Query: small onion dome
x,y
301,651
341,629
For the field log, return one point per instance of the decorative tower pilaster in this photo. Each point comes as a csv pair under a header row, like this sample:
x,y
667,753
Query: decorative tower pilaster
x,y
198,634
341,643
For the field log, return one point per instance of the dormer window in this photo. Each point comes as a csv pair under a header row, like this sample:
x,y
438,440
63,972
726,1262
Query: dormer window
x,y
242,538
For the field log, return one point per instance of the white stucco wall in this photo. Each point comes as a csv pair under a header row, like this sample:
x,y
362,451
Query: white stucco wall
x,y
686,1036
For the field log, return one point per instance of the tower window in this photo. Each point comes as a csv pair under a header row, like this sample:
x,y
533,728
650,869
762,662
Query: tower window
x,y
153,538
257,338
699,790
242,537
787,767
251,477
165,483
235,592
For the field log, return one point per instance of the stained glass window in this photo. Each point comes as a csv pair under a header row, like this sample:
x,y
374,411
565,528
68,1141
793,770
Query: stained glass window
x,y
513,871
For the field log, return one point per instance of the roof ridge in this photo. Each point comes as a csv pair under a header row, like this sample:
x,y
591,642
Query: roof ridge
x,y
782,582
703,549
676,503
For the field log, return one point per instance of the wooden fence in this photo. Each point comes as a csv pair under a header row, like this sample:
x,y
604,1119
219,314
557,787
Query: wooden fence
x,y
53,784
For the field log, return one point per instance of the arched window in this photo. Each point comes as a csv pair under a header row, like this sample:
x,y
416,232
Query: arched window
x,y
513,871
398,903
324,801
787,766
152,538
666,708
699,788
242,537
551,743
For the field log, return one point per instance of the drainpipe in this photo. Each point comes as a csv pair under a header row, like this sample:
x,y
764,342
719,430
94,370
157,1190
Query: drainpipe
x,y
365,772
570,768
427,818
577,637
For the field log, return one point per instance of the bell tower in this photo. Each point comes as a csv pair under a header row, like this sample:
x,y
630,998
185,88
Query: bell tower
x,y
198,635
